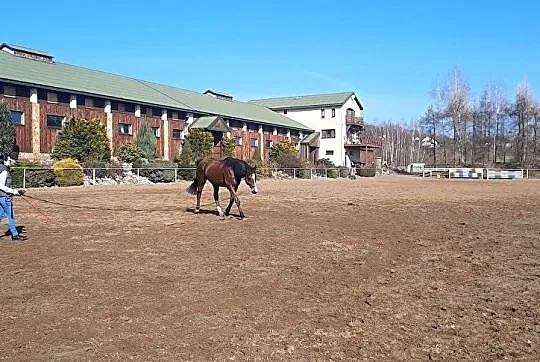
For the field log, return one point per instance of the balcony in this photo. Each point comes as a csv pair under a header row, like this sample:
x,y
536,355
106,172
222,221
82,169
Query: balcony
x,y
363,141
354,121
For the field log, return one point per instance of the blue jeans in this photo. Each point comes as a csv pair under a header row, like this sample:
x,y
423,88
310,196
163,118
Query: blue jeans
x,y
6,208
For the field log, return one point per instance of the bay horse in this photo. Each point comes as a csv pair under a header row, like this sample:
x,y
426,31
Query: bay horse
x,y
223,173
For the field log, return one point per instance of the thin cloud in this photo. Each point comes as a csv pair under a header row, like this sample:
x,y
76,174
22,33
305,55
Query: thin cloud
x,y
329,79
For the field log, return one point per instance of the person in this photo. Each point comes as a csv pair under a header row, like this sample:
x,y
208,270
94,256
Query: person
x,y
6,195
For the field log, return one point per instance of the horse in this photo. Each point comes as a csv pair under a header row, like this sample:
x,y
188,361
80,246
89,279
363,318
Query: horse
x,y
223,173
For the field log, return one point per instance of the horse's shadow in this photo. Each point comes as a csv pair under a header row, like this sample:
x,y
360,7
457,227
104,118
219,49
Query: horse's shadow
x,y
191,210
20,231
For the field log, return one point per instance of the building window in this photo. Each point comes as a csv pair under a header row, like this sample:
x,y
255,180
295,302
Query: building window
x,y
238,140
254,142
174,115
17,118
329,152
52,97
333,112
10,91
125,128
322,113
88,102
328,133
268,143
54,121
157,132
235,124
177,134
149,112
121,107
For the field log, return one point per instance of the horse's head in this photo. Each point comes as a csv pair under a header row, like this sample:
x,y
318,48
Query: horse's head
x,y
251,178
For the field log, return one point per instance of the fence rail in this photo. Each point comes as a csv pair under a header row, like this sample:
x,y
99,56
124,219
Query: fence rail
x,y
36,177
32,176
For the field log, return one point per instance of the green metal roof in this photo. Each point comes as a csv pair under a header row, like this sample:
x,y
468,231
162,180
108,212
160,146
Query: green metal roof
x,y
67,77
25,49
311,139
306,101
212,123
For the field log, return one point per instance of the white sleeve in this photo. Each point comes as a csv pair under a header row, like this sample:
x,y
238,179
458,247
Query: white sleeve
x,y
3,187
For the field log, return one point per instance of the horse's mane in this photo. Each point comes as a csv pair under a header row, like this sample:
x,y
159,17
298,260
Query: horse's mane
x,y
240,168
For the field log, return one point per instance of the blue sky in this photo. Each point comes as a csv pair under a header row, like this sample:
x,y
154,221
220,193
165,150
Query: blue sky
x,y
391,53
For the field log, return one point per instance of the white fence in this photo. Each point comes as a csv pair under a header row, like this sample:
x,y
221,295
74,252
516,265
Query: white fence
x,y
482,173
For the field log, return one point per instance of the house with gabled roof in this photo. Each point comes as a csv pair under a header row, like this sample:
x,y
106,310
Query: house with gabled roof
x,y
42,93
338,124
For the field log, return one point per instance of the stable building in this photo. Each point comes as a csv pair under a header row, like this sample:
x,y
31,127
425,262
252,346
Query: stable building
x,y
42,94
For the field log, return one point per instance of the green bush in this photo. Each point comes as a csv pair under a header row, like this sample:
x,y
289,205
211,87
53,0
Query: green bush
x,y
289,163
157,171
325,163
68,172
129,152
103,169
305,172
36,175
147,142
229,147
82,140
200,142
366,172
279,152
264,169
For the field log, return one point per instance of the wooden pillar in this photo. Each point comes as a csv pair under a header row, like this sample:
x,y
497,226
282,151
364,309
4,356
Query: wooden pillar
x,y
109,126
165,122
261,142
36,123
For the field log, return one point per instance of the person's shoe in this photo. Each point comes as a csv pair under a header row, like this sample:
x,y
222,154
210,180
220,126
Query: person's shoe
x,y
18,237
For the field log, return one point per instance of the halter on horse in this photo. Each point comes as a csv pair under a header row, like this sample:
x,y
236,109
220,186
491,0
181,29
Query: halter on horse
x,y
223,173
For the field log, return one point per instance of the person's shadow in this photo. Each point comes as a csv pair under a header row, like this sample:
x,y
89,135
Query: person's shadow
x,y
20,230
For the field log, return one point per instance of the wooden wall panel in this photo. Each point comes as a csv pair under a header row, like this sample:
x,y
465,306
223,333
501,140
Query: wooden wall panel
x,y
175,143
23,134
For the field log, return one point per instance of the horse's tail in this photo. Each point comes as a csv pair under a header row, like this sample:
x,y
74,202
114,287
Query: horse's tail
x,y
192,189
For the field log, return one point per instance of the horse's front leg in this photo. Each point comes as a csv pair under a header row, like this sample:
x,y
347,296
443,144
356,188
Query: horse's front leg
x,y
228,209
216,199
234,197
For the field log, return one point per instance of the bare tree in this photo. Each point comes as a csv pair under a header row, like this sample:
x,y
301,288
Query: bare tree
x,y
523,113
458,110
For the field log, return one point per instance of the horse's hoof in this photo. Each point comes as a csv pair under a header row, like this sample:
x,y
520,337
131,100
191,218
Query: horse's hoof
x,y
196,211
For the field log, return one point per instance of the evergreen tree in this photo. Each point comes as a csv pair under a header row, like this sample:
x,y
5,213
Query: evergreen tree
x,y
146,140
7,130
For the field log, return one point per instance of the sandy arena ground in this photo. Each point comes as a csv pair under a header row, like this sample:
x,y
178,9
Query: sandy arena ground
x,y
384,268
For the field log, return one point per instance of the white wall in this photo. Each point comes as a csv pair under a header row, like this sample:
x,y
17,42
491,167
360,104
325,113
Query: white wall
x,y
312,118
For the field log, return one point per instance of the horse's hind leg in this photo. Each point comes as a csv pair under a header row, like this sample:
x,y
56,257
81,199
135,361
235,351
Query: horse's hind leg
x,y
200,186
216,199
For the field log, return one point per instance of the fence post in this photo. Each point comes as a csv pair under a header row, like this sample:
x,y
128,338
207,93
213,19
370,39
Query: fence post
x,y
138,175
527,174
311,174
294,173
24,178
176,175
326,173
522,174
93,176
